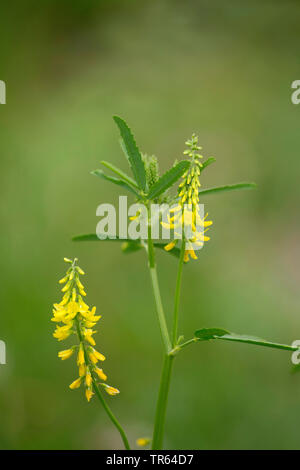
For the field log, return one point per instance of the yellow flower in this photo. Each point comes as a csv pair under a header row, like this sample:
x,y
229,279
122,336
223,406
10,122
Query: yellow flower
x,y
100,373
65,354
62,332
95,356
73,316
64,279
111,390
82,370
170,245
88,335
80,356
75,384
65,299
66,287
143,441
88,394
88,379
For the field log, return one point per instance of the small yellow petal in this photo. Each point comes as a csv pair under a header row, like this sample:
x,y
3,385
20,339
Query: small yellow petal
x,y
143,441
65,354
82,370
100,373
88,379
75,384
88,394
111,390
80,356
170,245
99,355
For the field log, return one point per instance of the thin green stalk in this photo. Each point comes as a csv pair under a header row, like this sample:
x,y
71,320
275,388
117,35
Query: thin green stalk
x,y
162,402
177,295
156,291
159,309
161,407
111,416
98,393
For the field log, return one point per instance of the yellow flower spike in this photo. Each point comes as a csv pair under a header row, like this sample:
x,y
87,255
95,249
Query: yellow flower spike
x,y
100,373
188,195
75,384
63,355
74,316
67,260
88,394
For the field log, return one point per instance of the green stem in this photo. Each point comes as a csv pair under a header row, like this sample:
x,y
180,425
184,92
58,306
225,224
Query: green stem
x,y
177,295
160,311
111,416
156,291
161,407
98,393
162,402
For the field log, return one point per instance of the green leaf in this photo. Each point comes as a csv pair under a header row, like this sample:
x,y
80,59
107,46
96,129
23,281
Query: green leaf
x,y
207,162
92,237
217,333
132,152
114,180
228,187
120,173
168,179
133,245
210,333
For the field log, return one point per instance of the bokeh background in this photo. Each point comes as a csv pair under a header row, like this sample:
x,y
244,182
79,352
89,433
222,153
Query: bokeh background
x,y
170,68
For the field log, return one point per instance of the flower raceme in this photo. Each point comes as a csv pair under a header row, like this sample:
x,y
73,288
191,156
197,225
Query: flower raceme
x,y
74,317
186,213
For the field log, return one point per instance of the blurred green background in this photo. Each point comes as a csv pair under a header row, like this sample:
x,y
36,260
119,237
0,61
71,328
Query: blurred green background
x,y
170,68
